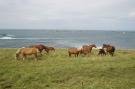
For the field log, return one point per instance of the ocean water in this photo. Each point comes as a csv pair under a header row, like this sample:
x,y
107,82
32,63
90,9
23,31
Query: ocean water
x,y
66,38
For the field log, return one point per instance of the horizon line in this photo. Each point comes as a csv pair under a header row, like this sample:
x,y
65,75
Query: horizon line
x,y
63,29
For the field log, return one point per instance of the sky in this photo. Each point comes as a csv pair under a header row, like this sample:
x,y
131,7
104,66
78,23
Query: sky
x,y
68,14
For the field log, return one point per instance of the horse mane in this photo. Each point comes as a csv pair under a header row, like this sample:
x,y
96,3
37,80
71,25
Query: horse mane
x,y
45,47
37,50
18,51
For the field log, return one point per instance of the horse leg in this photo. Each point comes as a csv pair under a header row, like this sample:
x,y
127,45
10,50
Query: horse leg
x,y
23,56
47,51
105,54
112,53
40,53
88,54
69,54
77,54
84,54
99,54
35,55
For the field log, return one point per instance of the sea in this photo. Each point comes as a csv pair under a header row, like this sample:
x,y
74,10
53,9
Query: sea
x,y
66,38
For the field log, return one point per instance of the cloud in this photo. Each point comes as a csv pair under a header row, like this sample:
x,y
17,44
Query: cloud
x,y
63,14
132,13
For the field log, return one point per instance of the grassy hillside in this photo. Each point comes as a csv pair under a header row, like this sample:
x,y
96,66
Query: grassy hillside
x,y
58,71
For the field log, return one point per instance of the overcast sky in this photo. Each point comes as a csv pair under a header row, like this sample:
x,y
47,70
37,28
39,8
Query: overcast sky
x,y
68,14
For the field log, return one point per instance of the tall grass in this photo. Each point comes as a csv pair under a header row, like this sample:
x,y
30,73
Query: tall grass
x,y
58,71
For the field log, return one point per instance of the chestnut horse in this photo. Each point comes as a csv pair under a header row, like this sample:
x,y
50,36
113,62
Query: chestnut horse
x,y
40,47
23,52
74,51
80,50
109,49
86,49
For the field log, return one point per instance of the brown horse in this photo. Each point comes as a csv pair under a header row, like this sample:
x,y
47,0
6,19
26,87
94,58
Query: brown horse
x,y
86,49
109,49
74,51
101,52
40,47
79,50
23,52
51,48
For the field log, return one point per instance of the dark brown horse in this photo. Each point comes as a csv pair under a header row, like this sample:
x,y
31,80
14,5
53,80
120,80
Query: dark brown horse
x,y
74,51
40,47
51,48
86,49
101,52
109,49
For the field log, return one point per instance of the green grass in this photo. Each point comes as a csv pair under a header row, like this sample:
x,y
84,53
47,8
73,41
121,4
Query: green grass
x,y
58,71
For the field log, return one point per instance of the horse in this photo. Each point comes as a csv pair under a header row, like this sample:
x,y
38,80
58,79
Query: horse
x,y
51,48
109,49
79,50
40,47
23,52
101,52
74,51
86,49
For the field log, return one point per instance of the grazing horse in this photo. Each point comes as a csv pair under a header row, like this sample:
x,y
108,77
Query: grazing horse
x,y
109,49
74,51
51,48
23,52
86,49
40,47
101,52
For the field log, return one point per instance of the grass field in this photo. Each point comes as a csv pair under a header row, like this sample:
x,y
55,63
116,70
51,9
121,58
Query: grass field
x,y
58,71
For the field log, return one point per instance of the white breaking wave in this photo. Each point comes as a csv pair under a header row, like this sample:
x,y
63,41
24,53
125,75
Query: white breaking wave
x,y
6,37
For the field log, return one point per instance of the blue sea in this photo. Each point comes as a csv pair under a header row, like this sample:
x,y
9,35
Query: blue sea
x,y
66,38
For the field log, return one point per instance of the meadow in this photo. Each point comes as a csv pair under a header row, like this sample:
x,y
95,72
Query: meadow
x,y
58,71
